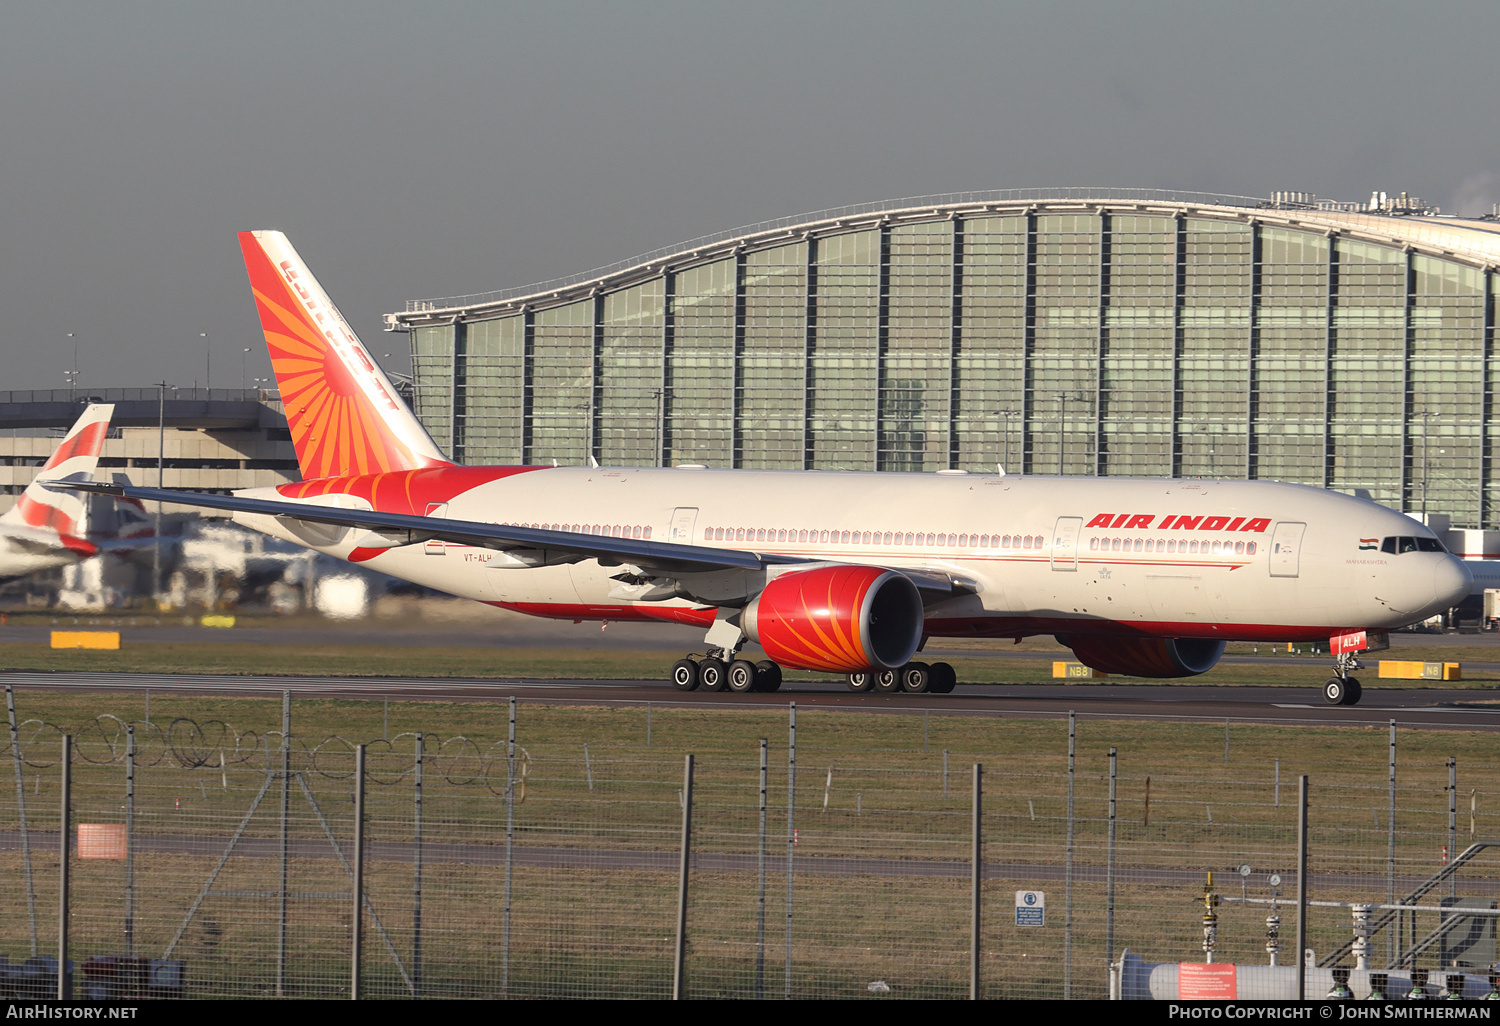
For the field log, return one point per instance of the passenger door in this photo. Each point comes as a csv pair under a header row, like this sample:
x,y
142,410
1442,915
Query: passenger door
x,y
1286,546
1065,543
683,520
439,510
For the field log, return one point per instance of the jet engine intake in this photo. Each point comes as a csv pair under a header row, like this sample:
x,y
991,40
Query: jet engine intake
x,y
840,619
1145,657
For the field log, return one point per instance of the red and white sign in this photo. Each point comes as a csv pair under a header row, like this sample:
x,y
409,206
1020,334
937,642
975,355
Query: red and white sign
x,y
101,841
1197,982
1342,643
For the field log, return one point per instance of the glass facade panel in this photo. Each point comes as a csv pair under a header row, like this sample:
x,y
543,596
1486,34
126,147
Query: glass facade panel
x,y
560,383
989,364
1213,365
772,366
1289,386
1113,342
487,393
432,381
844,351
1137,347
1367,369
628,378
914,368
1490,511
1065,343
1446,393
700,402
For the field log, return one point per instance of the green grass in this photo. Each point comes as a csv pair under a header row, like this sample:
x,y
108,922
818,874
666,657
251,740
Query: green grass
x,y
582,931
247,657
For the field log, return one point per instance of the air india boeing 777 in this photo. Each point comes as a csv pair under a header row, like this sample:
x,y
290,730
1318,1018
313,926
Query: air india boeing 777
x,y
847,573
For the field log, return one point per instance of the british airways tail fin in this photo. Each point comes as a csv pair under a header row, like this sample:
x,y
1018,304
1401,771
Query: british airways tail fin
x,y
76,457
344,414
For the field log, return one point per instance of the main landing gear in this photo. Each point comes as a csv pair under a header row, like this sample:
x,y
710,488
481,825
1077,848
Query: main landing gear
x,y
742,676
913,679
714,674
1342,689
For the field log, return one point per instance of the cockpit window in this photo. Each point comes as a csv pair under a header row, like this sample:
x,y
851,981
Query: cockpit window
x,y
1397,544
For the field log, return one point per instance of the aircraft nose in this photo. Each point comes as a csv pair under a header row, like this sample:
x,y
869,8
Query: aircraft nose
x,y
1452,582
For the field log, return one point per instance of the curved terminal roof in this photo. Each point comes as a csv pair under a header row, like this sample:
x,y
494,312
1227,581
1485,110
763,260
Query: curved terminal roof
x,y
1473,242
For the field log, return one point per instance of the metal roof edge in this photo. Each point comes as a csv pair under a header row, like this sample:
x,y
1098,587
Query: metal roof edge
x,y
1463,242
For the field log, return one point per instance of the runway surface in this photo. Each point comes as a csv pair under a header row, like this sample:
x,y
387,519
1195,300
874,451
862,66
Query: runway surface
x,y
1440,708
497,629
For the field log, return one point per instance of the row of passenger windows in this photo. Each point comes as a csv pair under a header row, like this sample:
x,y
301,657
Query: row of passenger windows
x,y
1014,542
603,530
1171,545
1010,542
1004,542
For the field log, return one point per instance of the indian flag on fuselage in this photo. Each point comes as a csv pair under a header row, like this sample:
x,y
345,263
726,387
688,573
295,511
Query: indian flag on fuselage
x,y
1369,543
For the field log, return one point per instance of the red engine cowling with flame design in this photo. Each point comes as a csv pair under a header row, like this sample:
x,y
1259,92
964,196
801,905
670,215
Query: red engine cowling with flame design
x,y
840,619
1146,657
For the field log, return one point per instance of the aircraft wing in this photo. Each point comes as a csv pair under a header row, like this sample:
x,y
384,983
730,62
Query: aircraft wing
x,y
392,530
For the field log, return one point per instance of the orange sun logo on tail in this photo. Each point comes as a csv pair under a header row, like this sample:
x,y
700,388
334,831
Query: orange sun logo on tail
x,y
343,412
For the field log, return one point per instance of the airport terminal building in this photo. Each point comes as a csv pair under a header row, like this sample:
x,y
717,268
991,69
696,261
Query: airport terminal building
x,y
1108,332
211,440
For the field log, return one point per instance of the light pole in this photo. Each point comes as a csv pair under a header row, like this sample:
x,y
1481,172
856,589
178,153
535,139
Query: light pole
x,y
1063,398
588,430
208,361
73,374
161,462
661,395
243,353
1008,414
1424,415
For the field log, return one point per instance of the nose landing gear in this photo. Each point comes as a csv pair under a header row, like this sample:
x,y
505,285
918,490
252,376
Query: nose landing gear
x,y
1342,689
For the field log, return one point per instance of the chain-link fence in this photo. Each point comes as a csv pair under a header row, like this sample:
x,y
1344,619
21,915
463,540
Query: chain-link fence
x,y
210,860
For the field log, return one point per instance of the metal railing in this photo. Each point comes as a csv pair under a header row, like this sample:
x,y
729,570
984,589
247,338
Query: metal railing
x,y
122,395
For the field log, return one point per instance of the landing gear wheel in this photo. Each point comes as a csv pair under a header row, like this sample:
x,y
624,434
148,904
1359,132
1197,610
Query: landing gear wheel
x,y
741,678
767,676
944,679
1351,684
712,675
887,682
862,681
916,678
1335,691
685,675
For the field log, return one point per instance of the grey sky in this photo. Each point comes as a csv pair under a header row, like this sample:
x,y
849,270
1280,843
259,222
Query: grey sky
x,y
420,150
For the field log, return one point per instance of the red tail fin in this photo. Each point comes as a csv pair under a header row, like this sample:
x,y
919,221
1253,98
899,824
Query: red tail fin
x,y
76,456
343,412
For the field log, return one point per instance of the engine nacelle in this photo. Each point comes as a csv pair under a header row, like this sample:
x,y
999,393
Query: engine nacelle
x,y
1145,657
841,619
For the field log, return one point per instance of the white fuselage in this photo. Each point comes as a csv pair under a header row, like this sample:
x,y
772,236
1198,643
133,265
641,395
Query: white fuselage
x,y
1028,555
25,550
